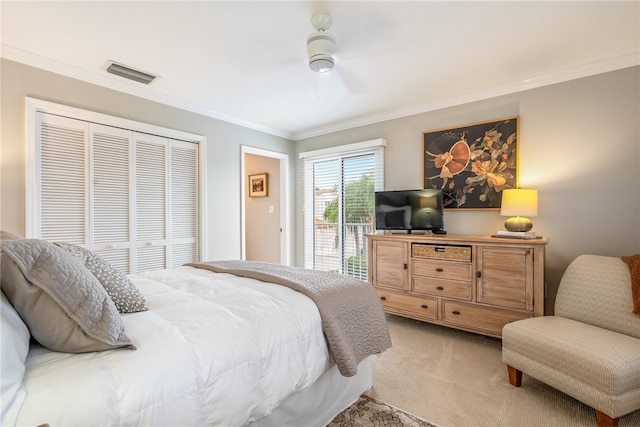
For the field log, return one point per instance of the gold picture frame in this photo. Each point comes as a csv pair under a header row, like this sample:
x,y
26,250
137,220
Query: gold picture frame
x,y
472,164
259,185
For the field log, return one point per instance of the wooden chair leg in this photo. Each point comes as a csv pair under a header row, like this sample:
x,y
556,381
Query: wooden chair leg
x,y
605,420
515,376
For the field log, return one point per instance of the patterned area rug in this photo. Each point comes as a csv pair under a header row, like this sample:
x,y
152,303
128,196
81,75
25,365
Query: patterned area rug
x,y
369,412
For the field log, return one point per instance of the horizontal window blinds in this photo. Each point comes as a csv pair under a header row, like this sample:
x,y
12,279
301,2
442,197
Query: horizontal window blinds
x,y
339,190
358,211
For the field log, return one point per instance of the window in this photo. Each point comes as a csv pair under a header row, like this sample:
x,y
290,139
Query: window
x,y
339,186
130,196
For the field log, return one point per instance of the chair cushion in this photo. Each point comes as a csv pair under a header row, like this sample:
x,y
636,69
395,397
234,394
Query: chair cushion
x,y
606,360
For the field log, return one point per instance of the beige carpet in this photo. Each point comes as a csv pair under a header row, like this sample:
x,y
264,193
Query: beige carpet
x,y
455,378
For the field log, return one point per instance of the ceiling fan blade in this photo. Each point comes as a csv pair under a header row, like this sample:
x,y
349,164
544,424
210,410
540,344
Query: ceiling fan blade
x,y
352,83
338,83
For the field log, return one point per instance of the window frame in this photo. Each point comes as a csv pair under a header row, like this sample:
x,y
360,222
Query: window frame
x,y
309,158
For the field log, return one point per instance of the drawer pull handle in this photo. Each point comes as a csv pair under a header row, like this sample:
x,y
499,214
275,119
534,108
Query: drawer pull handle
x,y
405,266
440,288
456,312
383,298
478,274
439,249
424,306
439,270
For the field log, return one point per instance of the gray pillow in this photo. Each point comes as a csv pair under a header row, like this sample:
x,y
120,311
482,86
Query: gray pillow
x,y
122,291
5,235
62,303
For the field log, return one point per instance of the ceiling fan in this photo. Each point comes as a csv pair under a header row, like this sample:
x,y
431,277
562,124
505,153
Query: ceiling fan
x,y
321,44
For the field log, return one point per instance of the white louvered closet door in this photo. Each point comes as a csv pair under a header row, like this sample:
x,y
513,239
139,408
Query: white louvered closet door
x,y
110,169
166,202
183,195
130,197
151,194
62,155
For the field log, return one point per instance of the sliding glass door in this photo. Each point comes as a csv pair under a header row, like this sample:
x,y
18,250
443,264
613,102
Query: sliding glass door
x,y
339,210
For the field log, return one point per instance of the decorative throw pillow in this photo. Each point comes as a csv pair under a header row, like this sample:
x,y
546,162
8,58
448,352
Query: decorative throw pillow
x,y
62,303
14,346
122,291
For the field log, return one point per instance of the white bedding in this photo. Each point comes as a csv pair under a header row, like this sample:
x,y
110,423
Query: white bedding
x,y
214,349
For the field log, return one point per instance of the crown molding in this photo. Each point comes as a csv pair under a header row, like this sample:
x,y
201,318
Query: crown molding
x,y
585,70
131,88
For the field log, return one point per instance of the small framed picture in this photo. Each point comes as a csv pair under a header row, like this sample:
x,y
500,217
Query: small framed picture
x,y
259,185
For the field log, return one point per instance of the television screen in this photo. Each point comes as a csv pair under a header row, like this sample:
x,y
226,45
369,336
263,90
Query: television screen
x,y
409,210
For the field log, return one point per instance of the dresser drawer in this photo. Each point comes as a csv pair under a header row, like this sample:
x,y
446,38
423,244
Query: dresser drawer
x,y
403,304
450,252
479,317
441,288
442,269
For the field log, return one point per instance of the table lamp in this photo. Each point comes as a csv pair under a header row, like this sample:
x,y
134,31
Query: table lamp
x,y
519,204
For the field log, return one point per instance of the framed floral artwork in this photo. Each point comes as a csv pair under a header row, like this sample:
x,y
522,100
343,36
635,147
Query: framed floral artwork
x,y
472,164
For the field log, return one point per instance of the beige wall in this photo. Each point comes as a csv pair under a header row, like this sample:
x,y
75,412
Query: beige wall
x,y
263,213
579,146
224,142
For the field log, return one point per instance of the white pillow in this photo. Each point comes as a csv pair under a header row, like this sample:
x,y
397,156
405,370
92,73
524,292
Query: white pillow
x,y
14,346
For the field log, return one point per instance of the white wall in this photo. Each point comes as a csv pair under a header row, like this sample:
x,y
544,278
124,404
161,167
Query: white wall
x,y
223,151
579,146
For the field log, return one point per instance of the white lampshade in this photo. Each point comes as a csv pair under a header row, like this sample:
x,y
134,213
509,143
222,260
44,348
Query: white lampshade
x,y
519,202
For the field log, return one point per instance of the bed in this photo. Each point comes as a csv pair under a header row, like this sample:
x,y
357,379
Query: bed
x,y
201,344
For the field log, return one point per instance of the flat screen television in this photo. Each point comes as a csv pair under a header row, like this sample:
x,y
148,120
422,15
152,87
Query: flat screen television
x,y
409,210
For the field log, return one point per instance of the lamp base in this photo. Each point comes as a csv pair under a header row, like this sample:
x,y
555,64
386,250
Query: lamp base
x,y
518,223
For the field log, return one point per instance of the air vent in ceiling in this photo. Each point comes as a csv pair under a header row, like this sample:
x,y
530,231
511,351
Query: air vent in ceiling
x,y
129,73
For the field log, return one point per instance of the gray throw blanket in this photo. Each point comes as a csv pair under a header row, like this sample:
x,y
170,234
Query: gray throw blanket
x,y
352,318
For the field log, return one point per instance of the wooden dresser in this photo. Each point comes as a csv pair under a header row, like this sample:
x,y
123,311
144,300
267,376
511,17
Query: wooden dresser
x,y
474,283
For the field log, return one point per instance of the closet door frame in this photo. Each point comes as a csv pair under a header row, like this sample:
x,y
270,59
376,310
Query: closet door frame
x,y
35,105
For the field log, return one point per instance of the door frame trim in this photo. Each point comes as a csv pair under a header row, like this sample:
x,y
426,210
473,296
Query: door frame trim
x,y
285,200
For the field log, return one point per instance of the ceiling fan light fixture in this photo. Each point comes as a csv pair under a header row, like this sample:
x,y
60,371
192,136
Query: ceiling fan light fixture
x,y
321,63
320,46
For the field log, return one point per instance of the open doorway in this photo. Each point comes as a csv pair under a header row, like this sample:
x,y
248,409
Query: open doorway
x,y
265,217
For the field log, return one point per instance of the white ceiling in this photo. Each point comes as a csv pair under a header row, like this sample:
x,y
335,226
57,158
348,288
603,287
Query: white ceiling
x,y
245,62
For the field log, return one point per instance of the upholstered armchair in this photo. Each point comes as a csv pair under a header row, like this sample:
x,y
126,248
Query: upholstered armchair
x,y
590,348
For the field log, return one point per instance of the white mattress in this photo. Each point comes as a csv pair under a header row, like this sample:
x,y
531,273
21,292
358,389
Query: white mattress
x,y
214,349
